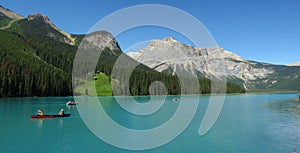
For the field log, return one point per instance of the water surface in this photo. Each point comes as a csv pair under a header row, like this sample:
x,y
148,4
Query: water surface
x,y
248,123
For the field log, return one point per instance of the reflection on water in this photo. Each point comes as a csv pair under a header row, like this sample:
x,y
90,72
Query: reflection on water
x,y
61,123
40,123
286,105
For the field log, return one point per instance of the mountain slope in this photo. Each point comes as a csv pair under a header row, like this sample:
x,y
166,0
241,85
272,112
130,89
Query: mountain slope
x,y
283,78
7,17
4,20
22,73
170,56
42,26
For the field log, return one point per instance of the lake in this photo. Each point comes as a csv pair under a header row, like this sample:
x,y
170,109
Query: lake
x,y
248,123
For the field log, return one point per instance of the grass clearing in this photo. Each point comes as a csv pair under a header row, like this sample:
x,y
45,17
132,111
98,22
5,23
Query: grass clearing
x,y
101,83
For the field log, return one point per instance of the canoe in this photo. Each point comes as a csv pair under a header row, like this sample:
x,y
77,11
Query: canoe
x,y
49,116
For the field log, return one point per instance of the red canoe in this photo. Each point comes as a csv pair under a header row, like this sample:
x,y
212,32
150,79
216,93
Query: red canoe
x,y
49,116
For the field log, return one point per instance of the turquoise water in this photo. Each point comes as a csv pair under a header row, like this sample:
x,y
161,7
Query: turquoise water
x,y
249,123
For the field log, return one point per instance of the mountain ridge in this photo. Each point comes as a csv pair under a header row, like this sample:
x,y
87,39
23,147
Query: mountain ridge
x,y
166,54
294,64
10,13
69,39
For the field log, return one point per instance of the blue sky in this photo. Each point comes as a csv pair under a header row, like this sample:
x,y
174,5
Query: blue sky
x,y
265,31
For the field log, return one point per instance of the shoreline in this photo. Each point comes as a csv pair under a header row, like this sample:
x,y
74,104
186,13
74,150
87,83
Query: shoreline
x,y
213,94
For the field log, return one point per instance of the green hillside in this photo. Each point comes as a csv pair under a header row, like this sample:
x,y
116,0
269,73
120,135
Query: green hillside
x,y
283,78
22,73
101,83
4,20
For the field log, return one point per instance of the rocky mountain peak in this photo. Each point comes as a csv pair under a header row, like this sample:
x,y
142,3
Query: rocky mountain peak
x,y
101,39
169,54
39,16
179,49
10,13
169,42
169,39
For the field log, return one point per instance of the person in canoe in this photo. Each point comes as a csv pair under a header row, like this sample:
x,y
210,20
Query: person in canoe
x,y
40,112
176,99
71,103
61,112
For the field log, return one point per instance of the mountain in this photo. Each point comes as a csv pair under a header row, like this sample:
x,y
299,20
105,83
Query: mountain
x,y
30,63
294,64
43,26
170,56
36,59
116,64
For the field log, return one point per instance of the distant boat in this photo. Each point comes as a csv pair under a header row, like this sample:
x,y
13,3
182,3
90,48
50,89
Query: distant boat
x,y
71,103
50,116
176,99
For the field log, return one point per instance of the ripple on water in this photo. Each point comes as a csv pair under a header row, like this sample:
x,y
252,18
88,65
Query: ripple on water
x,y
285,124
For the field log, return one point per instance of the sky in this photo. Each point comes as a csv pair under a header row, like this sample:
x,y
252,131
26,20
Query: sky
x,y
265,31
